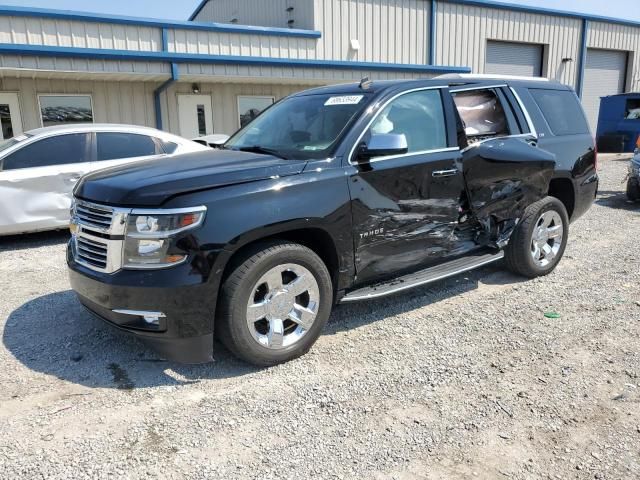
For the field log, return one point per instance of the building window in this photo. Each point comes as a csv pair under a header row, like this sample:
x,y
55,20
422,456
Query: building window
x,y
61,109
5,121
249,107
202,120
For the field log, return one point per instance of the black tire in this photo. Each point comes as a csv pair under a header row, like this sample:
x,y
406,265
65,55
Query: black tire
x,y
633,189
232,328
518,253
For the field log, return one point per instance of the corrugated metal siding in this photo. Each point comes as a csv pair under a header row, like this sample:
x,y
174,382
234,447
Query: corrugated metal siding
x,y
85,66
221,43
313,76
113,102
509,58
462,32
605,74
391,31
618,37
68,33
266,13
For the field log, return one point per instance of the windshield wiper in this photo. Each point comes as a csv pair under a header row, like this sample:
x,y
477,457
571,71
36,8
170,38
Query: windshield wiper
x,y
265,150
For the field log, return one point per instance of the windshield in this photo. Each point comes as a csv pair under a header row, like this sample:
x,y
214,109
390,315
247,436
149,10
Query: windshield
x,y
300,127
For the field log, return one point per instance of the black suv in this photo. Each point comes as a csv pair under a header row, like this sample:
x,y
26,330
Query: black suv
x,y
335,194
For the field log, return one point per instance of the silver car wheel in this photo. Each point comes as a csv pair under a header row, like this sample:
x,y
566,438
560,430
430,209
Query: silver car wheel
x,y
283,306
547,238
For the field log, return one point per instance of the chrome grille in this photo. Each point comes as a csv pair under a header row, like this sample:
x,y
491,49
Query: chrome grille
x,y
92,252
98,236
94,216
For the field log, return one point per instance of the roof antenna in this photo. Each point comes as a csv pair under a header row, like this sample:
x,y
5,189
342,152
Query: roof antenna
x,y
365,83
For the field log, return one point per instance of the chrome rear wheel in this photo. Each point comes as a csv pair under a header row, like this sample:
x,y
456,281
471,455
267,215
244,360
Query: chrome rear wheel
x,y
539,239
546,240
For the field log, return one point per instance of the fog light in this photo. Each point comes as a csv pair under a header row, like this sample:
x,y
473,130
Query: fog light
x,y
150,318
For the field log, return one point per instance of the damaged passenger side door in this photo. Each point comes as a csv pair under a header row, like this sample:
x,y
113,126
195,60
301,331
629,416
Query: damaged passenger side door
x,y
504,169
405,184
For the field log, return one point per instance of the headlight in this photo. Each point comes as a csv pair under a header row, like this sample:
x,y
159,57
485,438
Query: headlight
x,y
149,236
73,222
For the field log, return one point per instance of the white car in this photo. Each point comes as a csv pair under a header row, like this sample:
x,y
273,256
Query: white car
x,y
39,169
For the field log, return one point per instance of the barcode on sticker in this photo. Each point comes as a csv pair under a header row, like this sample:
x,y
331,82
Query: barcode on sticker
x,y
344,100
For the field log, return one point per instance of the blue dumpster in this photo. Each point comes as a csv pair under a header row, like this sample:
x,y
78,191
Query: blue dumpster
x,y
619,123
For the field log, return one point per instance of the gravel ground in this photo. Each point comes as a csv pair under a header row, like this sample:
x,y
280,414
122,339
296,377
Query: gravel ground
x,y
464,379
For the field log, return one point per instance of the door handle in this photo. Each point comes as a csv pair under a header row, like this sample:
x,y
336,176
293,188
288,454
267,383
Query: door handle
x,y
444,173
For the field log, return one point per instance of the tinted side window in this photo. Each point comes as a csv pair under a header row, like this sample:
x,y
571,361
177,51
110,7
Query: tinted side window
x,y
561,110
58,150
112,145
419,116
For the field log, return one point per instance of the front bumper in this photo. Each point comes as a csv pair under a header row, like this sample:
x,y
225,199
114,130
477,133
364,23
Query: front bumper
x,y
187,301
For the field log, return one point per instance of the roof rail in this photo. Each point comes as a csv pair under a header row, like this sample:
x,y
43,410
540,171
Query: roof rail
x,y
483,76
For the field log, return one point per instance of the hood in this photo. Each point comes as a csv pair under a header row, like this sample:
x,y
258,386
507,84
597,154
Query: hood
x,y
152,182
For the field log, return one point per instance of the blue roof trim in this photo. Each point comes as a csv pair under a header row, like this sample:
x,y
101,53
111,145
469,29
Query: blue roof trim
x,y
157,23
198,9
543,11
108,54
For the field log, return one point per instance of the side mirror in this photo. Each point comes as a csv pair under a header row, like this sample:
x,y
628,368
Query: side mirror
x,y
217,140
382,145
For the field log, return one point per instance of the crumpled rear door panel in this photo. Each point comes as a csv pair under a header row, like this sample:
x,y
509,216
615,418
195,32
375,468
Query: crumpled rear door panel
x,y
35,199
505,175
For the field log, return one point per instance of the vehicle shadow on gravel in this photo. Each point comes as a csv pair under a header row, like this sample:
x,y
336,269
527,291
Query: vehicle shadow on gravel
x,y
55,335
33,240
616,199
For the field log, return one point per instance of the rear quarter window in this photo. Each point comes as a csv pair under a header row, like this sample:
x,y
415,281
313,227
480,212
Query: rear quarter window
x,y
562,111
170,147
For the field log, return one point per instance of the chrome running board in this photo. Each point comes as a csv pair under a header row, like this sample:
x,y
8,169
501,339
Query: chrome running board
x,y
423,277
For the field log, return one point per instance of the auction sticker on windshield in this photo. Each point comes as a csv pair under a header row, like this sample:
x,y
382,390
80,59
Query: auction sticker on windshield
x,y
344,100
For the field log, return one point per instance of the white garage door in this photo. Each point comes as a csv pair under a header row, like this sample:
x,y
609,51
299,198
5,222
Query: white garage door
x,y
604,74
505,58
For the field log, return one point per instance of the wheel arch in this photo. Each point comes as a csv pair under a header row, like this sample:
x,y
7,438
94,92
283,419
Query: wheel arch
x,y
317,239
563,189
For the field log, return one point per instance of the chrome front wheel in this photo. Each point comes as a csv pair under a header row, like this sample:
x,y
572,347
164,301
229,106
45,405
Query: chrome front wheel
x,y
274,302
283,306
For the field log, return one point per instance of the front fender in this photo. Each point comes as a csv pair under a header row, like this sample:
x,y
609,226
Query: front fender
x,y
238,215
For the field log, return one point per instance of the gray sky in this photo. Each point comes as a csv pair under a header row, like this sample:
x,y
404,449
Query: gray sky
x,y
181,9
